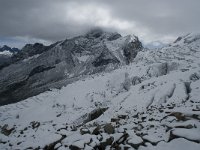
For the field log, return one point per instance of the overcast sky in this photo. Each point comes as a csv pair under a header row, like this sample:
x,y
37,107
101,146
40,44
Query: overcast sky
x,y
46,21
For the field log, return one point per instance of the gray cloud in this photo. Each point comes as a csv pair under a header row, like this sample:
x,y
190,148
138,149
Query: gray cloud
x,y
52,20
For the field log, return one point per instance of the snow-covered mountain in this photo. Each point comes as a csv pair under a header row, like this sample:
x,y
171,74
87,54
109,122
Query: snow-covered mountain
x,y
38,68
6,53
149,101
7,49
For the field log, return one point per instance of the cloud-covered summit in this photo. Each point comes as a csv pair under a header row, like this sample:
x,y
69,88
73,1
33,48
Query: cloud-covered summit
x,y
51,20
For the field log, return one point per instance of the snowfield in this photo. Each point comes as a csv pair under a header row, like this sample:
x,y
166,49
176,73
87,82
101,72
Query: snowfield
x,y
151,104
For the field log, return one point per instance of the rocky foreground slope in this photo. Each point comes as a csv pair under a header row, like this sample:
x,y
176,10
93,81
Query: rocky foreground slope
x,y
151,104
38,68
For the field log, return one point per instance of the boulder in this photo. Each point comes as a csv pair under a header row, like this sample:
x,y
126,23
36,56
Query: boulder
x,y
109,128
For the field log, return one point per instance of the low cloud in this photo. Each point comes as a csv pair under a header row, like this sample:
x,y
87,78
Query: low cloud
x,y
51,20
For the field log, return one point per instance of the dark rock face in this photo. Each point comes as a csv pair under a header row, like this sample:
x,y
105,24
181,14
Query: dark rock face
x,y
104,59
30,50
5,59
7,48
114,36
131,49
108,128
37,68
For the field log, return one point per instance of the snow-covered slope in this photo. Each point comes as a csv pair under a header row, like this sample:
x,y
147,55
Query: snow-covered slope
x,y
152,103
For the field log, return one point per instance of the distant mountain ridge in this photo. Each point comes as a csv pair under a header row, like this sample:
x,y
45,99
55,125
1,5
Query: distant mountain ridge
x,y
7,48
6,54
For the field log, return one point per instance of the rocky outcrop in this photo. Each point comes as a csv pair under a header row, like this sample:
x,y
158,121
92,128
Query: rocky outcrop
x,y
30,50
131,49
37,68
6,53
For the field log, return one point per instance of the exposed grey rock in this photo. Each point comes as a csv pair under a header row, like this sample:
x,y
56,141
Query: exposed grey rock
x,y
84,131
6,59
127,82
158,70
7,48
114,36
96,131
136,80
194,77
95,114
131,49
6,130
74,147
104,144
30,50
108,128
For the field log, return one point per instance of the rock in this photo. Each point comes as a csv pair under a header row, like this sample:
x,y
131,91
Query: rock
x,y
114,36
131,49
35,124
179,116
29,50
6,130
108,128
134,140
54,145
84,131
192,134
95,114
96,131
127,82
7,48
194,77
189,126
158,69
104,59
136,80
73,147
73,128
122,138
115,119
103,145
123,116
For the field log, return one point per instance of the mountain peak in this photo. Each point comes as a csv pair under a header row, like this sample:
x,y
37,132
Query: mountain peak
x,y
7,48
95,52
100,33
